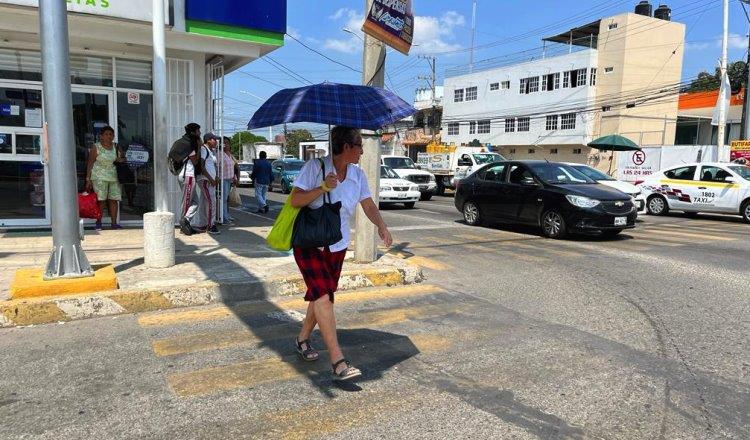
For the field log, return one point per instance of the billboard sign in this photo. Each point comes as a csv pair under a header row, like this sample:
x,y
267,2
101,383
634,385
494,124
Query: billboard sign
x,y
740,150
139,10
392,22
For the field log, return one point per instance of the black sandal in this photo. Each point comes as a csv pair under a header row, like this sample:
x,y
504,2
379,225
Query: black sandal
x,y
308,354
347,373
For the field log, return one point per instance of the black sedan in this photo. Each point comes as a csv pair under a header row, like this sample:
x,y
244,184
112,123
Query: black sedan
x,y
554,196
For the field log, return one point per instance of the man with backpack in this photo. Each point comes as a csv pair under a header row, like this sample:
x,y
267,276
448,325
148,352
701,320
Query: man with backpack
x,y
184,162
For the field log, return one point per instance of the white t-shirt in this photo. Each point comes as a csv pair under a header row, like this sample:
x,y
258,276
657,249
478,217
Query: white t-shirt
x,y
188,170
210,162
349,192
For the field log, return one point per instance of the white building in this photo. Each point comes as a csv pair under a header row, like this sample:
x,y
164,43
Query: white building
x,y
605,77
111,78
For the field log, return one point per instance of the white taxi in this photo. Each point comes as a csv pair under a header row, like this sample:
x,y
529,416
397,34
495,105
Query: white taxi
x,y
699,187
394,189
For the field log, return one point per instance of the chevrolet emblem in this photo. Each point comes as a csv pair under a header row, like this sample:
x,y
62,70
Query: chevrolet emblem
x,y
619,204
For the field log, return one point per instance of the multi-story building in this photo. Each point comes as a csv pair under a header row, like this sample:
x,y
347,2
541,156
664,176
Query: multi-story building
x,y
617,75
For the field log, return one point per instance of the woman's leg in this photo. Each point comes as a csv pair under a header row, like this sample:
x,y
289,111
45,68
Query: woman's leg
x,y
112,205
308,325
327,324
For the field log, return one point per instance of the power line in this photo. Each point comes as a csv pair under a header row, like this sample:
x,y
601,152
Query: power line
x,y
261,79
282,67
324,56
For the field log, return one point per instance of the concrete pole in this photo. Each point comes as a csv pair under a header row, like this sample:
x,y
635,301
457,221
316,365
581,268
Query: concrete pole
x,y
745,132
68,259
158,226
473,35
373,74
721,129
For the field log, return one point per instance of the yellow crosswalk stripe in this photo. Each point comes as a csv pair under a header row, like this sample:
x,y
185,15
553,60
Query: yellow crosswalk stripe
x,y
428,263
191,343
654,232
252,373
259,307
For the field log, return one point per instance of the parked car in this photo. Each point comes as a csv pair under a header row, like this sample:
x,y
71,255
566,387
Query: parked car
x,y
246,170
554,196
406,169
394,189
284,173
605,179
699,187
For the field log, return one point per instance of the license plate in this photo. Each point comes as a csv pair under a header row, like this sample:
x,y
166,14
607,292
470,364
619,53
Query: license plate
x,y
621,221
402,195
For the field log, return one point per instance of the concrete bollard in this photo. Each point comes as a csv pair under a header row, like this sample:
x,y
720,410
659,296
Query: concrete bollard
x,y
158,239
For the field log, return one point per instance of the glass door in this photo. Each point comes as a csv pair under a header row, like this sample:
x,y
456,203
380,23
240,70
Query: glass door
x,y
92,111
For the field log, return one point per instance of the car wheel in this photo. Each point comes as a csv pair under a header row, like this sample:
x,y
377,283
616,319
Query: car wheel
x,y
745,210
553,224
471,214
410,205
657,205
611,233
440,188
425,197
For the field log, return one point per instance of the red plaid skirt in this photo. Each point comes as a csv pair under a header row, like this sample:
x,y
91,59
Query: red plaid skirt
x,y
320,269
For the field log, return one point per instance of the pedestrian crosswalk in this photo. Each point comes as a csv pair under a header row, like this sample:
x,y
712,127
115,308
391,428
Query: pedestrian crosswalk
x,y
375,329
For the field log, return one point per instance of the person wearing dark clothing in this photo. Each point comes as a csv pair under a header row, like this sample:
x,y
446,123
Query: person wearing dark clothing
x,y
190,141
262,177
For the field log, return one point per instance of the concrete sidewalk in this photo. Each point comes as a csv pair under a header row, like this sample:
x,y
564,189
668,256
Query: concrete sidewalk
x,y
232,267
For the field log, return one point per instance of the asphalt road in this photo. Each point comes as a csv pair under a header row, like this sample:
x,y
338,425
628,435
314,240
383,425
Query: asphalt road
x,y
512,336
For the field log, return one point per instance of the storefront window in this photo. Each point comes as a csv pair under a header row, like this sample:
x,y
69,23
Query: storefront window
x,y
6,143
91,71
28,144
20,107
21,191
20,65
134,74
135,140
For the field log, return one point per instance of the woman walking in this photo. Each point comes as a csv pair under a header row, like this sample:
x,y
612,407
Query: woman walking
x,y
321,268
101,175
228,177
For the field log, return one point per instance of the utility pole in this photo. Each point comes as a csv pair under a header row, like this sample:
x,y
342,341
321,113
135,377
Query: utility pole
x,y
745,129
158,226
721,129
432,61
473,35
373,74
67,259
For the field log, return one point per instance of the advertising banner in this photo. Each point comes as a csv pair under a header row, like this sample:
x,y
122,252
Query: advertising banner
x,y
392,22
740,150
140,10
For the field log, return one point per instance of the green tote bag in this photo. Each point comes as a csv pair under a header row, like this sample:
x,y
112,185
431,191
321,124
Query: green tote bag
x,y
280,237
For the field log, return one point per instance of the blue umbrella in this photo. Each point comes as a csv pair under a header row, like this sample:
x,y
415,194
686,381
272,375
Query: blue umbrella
x,y
334,104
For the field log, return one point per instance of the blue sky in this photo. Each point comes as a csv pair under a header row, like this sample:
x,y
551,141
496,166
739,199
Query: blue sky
x,y
504,27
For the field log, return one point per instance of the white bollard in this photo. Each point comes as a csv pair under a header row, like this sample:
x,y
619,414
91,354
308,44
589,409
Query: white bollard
x,y
158,239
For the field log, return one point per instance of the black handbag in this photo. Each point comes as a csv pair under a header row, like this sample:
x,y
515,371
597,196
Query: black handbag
x,y
321,227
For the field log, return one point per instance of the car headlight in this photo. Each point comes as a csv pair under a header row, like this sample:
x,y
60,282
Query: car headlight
x,y
636,194
414,188
582,202
385,188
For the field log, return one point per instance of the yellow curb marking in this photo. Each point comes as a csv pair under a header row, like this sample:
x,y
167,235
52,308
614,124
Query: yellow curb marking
x,y
136,302
30,283
220,312
252,373
28,313
428,263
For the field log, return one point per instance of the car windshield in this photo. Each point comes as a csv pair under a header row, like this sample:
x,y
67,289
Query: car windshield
x,y
555,173
742,170
399,162
293,166
484,158
246,166
387,173
593,173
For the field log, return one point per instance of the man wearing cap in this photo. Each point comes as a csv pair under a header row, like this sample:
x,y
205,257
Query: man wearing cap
x,y
207,181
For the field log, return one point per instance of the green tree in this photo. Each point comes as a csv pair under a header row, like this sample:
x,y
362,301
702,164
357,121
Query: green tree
x,y
244,137
293,138
706,82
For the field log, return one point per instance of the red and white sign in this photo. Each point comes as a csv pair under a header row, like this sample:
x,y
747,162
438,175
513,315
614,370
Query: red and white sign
x,y
134,98
636,165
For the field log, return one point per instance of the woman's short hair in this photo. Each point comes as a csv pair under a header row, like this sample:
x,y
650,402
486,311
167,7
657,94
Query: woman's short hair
x,y
108,128
340,136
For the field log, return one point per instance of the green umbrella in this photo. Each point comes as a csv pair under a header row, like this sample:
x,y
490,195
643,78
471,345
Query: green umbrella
x,y
614,142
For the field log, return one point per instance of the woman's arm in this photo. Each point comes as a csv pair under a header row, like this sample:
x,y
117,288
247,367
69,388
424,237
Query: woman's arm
x,y
90,165
373,213
301,198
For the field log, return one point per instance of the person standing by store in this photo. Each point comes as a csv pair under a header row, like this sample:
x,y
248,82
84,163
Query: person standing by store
x,y
340,178
190,142
207,182
262,177
228,177
101,175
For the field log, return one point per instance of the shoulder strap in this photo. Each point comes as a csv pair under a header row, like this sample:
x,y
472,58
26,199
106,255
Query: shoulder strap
x,y
323,171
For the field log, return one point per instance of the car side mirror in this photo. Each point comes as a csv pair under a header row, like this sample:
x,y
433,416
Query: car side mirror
x,y
419,167
528,181
730,179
